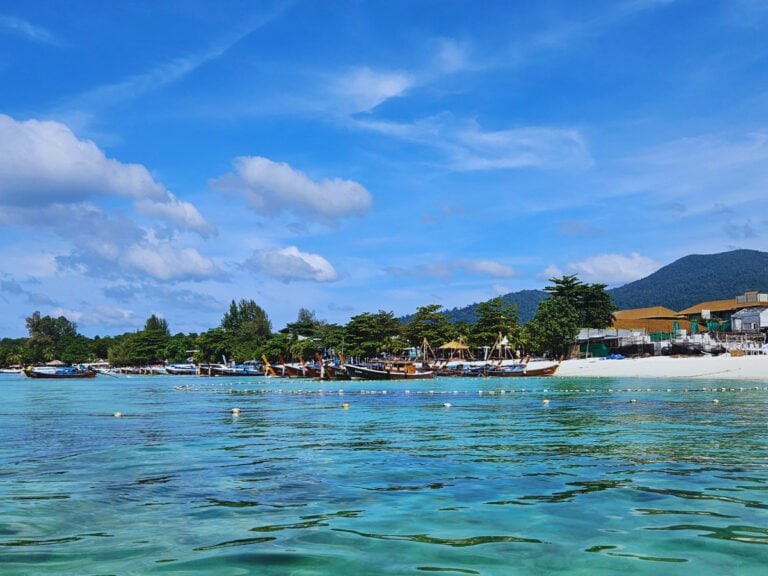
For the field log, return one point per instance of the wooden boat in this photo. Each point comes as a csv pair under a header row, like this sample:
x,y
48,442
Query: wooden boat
x,y
387,371
59,372
332,371
523,370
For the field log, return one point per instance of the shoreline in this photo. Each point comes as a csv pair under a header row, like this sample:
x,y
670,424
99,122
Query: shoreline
x,y
722,367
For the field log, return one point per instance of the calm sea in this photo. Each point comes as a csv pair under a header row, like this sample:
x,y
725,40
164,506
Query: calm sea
x,y
454,476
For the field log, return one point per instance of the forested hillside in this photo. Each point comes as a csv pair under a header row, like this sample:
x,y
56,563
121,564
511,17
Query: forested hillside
x,y
685,282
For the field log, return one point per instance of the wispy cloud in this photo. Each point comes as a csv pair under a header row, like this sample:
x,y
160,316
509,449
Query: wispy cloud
x,y
21,27
362,89
166,73
468,147
695,174
447,268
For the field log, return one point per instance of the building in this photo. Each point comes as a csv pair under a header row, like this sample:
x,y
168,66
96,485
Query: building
x,y
716,314
750,320
650,320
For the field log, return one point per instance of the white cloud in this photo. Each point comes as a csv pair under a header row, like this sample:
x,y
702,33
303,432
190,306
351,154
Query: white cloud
x,y
178,212
613,269
551,271
166,262
101,315
362,89
44,163
27,30
290,263
274,187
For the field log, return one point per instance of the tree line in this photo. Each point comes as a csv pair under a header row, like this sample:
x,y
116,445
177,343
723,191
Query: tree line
x,y
245,333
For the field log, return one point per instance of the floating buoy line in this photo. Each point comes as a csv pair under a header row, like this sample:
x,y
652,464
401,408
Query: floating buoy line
x,y
228,388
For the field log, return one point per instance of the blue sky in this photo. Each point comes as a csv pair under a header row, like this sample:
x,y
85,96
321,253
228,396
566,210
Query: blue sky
x,y
356,156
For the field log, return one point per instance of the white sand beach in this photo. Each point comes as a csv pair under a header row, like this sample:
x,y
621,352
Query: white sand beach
x,y
725,367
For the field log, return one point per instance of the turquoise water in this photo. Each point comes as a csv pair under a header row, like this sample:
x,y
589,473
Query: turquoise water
x,y
497,483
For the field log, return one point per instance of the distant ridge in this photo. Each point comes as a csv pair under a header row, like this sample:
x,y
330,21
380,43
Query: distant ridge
x,y
697,278
679,285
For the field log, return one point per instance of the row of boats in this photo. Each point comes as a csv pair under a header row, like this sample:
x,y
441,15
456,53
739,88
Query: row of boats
x,y
392,369
459,365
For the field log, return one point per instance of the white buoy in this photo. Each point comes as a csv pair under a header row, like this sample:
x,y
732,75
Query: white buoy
x,y
235,411
447,404
117,414
545,402
715,401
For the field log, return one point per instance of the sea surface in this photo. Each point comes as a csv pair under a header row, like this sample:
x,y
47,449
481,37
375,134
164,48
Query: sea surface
x,y
451,476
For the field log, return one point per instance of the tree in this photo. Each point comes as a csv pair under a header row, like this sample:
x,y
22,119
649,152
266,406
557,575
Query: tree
x,y
594,304
494,317
122,351
48,336
429,323
372,334
247,316
246,328
150,343
211,345
554,327
572,305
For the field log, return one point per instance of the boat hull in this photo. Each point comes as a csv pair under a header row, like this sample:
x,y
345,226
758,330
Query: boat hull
x,y
356,372
60,374
524,372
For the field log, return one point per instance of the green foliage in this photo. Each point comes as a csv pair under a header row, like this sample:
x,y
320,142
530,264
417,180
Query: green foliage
x,y
50,337
493,318
572,305
13,352
246,329
554,327
122,350
180,347
429,323
369,335
591,301
211,345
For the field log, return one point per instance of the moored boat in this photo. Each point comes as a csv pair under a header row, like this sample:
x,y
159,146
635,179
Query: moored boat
x,y
59,372
181,369
387,371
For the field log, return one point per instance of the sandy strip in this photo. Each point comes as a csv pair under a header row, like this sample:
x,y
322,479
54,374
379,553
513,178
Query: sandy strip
x,y
720,367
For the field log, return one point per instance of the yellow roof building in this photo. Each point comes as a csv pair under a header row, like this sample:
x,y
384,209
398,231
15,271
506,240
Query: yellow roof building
x,y
651,319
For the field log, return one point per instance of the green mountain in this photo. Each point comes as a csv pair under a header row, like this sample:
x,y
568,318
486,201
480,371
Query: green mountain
x,y
697,278
685,282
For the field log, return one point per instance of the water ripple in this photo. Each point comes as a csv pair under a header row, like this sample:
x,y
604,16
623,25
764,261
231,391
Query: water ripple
x,y
454,542
746,534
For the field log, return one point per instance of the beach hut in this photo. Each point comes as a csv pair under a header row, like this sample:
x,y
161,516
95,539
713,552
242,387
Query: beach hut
x,y
455,349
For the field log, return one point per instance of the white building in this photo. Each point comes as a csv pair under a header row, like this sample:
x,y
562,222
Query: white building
x,y
750,320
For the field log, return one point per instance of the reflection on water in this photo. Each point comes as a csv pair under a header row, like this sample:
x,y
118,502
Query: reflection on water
x,y
463,477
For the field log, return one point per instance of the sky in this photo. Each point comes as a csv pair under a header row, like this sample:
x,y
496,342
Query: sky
x,y
355,156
